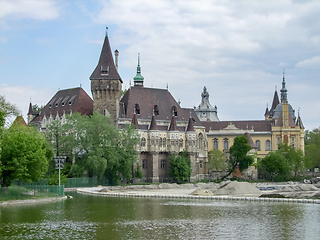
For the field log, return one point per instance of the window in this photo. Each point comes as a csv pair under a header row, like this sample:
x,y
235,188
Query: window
x,y
163,164
215,143
292,142
258,145
172,142
143,142
181,142
226,144
278,142
104,70
200,164
137,108
268,145
156,110
174,111
160,142
144,164
72,99
200,141
164,142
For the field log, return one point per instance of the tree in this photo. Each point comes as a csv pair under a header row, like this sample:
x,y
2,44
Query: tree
x,y
7,110
275,166
239,155
180,167
217,160
312,148
23,155
96,146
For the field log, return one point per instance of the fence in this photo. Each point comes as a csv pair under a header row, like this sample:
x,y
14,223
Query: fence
x,y
30,191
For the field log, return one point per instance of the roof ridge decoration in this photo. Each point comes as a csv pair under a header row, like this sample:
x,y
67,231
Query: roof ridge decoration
x,y
105,68
153,124
138,79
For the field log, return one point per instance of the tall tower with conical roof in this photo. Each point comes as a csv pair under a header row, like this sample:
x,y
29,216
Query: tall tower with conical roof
x,y
138,79
106,84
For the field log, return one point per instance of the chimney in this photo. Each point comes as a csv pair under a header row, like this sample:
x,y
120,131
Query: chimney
x,y
116,54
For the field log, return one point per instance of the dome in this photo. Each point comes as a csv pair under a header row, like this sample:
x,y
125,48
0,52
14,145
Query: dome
x,y
278,110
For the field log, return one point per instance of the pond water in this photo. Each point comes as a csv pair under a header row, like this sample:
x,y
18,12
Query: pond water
x,y
98,217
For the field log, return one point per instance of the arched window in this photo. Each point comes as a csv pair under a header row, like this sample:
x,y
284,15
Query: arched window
x,y
160,142
292,142
164,142
268,145
174,111
226,144
144,164
163,164
200,141
215,143
137,108
143,142
156,110
258,145
181,142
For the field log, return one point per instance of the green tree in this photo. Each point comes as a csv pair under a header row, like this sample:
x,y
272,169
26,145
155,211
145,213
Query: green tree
x,y
7,110
239,155
23,155
312,148
275,166
180,167
217,160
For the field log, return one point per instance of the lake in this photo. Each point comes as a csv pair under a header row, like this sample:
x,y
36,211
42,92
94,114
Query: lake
x,y
98,217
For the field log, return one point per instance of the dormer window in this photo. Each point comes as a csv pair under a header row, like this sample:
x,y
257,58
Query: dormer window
x,y
72,99
58,101
51,103
137,108
174,111
104,70
156,110
64,101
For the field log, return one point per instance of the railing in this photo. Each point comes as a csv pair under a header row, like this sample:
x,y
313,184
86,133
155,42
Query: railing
x,y
30,191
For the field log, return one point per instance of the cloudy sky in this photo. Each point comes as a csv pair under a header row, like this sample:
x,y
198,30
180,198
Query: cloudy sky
x,y
237,49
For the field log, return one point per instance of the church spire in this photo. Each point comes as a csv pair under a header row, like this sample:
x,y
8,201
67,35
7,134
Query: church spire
x,y
138,79
284,94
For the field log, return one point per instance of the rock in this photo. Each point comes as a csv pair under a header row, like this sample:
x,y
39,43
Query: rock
x,y
104,190
315,180
202,192
298,188
271,195
237,188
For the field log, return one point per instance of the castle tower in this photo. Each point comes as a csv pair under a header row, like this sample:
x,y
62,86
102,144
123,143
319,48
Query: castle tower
x,y
205,112
106,84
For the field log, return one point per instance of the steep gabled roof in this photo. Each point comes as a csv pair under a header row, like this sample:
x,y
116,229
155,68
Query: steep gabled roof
x,y
105,68
173,124
134,121
19,121
256,125
299,122
250,141
67,101
147,98
190,127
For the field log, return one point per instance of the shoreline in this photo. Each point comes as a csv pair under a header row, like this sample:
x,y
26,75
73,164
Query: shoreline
x,y
32,201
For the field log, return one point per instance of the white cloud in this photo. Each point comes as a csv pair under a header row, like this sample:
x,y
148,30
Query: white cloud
x,y
313,62
34,9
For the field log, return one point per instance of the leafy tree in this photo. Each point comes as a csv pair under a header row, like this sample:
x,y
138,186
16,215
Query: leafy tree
x,y
239,155
180,167
275,166
217,160
7,110
96,146
312,148
23,155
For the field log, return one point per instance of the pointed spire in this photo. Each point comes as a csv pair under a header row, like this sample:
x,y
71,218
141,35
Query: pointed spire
x,y
105,68
299,121
173,124
153,125
250,141
138,79
190,127
284,97
30,112
134,121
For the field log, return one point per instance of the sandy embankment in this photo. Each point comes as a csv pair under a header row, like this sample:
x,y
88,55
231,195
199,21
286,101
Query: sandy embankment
x,y
226,189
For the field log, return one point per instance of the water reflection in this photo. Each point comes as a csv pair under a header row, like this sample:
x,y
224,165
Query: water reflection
x,y
92,217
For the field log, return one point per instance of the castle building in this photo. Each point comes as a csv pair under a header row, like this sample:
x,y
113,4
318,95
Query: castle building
x,y
205,112
164,127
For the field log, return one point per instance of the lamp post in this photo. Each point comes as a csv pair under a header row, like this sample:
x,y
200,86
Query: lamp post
x,y
59,160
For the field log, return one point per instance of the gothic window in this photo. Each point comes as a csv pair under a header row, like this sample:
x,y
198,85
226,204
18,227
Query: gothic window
x,y
160,142
164,142
172,142
174,111
292,142
156,110
181,142
200,164
200,141
144,163
143,142
137,108
268,145
226,144
258,145
163,164
215,143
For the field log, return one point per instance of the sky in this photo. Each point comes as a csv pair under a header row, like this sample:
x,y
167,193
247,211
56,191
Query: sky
x,y
237,49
